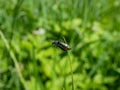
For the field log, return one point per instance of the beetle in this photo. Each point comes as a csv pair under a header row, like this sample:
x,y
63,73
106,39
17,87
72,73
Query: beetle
x,y
61,45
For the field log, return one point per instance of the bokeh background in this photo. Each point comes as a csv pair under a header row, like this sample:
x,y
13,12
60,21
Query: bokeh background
x,y
29,61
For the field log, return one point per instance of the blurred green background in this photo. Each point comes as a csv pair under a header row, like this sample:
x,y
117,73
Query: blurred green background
x,y
29,61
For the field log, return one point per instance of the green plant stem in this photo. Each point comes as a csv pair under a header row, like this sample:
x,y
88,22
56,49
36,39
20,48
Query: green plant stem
x,y
70,66
14,60
71,70
35,68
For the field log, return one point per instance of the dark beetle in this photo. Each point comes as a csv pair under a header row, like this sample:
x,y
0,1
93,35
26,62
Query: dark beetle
x,y
61,45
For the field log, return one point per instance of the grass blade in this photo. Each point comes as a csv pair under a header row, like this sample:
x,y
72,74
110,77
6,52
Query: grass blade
x,y
14,60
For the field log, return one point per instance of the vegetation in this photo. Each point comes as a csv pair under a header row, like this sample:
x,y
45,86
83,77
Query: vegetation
x,y
28,61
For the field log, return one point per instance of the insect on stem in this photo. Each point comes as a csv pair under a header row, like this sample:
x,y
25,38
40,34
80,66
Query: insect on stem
x,y
65,47
61,45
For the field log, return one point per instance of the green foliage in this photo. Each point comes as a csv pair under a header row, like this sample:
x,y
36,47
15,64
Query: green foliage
x,y
90,27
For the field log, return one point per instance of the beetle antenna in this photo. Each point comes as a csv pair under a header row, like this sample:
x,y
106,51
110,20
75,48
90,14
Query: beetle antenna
x,y
64,39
